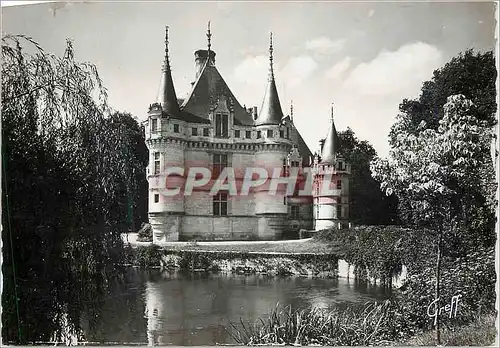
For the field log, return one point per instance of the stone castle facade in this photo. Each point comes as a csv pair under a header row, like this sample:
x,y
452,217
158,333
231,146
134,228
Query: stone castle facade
x,y
211,129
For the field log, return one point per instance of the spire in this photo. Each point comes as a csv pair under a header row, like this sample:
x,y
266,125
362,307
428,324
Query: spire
x,y
271,70
271,112
209,37
166,95
331,144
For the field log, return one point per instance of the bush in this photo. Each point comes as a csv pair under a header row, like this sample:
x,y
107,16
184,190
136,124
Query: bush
x,y
148,256
473,277
145,234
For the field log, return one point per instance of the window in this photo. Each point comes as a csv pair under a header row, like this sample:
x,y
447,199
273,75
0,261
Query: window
x,y
285,171
340,166
294,210
339,212
295,163
220,204
176,128
219,163
205,132
154,125
221,125
339,184
258,134
157,197
248,134
156,163
287,132
282,133
237,133
194,131
269,133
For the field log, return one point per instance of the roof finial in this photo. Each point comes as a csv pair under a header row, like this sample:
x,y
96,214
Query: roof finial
x,y
331,115
291,110
271,71
166,63
209,37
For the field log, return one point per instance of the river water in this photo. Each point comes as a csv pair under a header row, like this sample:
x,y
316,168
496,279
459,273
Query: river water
x,y
195,309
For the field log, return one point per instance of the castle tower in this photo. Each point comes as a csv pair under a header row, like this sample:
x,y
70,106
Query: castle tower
x,y
163,130
271,151
331,184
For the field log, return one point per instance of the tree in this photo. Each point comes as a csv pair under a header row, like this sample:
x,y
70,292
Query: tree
x,y
435,175
369,205
65,164
472,74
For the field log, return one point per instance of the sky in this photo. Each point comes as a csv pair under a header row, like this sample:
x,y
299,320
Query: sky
x,y
364,57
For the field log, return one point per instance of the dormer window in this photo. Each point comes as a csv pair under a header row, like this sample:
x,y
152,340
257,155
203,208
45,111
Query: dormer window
x,y
282,133
259,134
221,125
287,133
154,125
269,133
341,166
176,128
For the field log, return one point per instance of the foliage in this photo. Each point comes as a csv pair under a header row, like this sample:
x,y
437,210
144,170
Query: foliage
x,y
145,234
481,332
368,204
370,325
64,169
147,256
472,74
472,277
436,174
374,251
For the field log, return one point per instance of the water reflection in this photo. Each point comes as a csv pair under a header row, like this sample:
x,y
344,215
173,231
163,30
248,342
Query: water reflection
x,y
194,309
173,309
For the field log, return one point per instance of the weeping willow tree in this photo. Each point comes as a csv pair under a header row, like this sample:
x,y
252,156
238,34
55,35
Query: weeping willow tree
x,y
65,162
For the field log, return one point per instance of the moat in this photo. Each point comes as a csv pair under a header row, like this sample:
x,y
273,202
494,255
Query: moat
x,y
158,308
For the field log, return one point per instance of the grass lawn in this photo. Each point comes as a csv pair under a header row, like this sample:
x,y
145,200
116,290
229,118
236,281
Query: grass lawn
x,y
303,247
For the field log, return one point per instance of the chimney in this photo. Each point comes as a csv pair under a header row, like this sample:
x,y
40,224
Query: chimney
x,y
200,57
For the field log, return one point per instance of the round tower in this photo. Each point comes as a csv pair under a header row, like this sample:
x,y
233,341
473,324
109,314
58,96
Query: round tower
x,y
331,184
165,131
272,149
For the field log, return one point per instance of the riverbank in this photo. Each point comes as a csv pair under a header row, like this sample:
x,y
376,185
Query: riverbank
x,y
238,260
294,246
374,325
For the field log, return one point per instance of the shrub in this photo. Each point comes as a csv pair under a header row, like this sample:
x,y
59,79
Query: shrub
x,y
145,234
148,256
473,277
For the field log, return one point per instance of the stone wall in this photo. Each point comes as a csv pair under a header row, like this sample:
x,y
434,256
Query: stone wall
x,y
308,265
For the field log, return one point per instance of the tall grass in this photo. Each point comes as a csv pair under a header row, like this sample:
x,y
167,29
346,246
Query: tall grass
x,y
366,326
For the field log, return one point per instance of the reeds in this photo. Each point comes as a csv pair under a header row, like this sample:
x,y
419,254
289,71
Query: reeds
x,y
366,326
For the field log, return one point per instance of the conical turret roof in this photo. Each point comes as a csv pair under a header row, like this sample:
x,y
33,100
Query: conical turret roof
x,y
166,94
331,145
270,112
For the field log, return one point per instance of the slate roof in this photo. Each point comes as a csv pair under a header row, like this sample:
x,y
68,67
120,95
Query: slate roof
x,y
205,92
331,146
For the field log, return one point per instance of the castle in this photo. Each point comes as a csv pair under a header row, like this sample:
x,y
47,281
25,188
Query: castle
x,y
211,129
